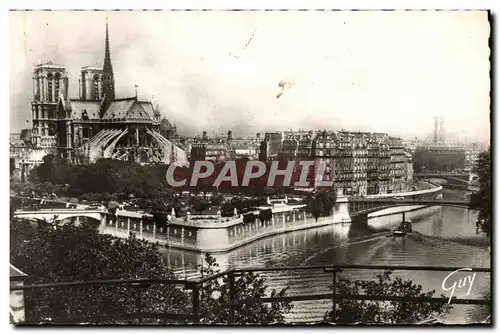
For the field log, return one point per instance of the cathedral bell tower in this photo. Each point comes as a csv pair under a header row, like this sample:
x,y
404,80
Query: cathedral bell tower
x,y
50,82
108,80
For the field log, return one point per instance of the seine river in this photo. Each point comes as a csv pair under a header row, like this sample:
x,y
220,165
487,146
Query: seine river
x,y
442,236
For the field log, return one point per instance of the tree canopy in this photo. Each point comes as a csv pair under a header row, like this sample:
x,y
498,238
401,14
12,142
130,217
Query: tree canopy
x,y
321,203
385,312
120,179
247,286
481,200
108,177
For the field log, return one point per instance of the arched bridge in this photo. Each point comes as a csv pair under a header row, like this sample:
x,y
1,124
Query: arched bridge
x,y
54,215
361,206
459,178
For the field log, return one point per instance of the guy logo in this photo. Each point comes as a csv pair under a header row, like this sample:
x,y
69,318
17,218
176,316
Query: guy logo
x,y
461,283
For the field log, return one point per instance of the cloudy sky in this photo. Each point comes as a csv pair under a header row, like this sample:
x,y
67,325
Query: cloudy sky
x,y
371,71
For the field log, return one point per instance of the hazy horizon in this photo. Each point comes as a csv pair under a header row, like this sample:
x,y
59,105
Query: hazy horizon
x,y
366,70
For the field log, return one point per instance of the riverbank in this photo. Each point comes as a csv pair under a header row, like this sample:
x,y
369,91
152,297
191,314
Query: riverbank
x,y
441,238
215,234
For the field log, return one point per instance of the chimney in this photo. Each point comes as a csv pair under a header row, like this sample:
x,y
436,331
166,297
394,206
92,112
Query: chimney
x,y
229,135
204,136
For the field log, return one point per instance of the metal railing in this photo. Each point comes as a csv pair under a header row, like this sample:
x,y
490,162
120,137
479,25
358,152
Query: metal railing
x,y
195,293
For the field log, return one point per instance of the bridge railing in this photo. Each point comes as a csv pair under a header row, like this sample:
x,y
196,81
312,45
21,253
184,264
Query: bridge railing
x,y
408,193
192,305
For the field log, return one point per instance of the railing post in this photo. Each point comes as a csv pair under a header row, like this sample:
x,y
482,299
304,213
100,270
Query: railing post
x,y
196,303
18,309
232,297
334,299
138,301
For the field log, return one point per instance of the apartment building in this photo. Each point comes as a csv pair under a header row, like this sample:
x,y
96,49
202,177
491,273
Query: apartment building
x,y
359,163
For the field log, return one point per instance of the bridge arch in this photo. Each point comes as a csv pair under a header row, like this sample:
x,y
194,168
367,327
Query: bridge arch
x,y
57,217
363,207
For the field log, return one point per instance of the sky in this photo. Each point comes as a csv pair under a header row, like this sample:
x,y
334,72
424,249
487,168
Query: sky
x,y
220,70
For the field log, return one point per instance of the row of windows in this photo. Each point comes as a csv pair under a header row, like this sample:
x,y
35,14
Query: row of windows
x,y
53,87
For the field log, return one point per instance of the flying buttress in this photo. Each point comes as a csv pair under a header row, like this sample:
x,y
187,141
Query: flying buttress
x,y
109,150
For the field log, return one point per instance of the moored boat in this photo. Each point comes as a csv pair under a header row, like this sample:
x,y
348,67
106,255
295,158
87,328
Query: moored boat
x,y
404,229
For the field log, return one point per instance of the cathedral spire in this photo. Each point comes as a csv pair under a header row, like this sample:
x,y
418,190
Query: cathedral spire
x,y
107,56
108,80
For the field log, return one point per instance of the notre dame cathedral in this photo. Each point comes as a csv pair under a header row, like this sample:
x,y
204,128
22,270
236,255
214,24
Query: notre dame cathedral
x,y
98,124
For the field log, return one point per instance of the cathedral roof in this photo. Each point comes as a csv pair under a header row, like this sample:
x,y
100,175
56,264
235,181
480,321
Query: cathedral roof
x,y
148,108
79,106
126,109
92,67
50,64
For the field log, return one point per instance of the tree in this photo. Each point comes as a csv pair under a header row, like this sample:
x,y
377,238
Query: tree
x,y
160,208
384,312
69,253
247,286
201,206
12,167
328,198
249,218
481,200
107,175
265,215
315,207
321,203
216,199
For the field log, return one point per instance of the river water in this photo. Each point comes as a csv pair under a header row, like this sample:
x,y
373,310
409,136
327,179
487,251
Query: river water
x,y
442,236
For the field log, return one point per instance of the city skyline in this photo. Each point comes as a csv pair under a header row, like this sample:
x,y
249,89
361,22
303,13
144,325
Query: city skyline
x,y
220,71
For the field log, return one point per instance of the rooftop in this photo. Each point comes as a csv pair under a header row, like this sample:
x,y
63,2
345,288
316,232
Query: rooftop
x,y
92,67
79,107
129,109
50,65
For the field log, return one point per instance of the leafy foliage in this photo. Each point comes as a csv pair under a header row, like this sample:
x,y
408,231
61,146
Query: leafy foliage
x,y
481,200
107,175
321,203
201,206
70,253
215,293
385,312
265,215
428,160
39,188
12,166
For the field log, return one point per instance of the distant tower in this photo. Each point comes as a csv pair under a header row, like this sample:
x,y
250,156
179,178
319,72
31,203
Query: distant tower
x,y
108,79
91,88
442,133
50,82
436,130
